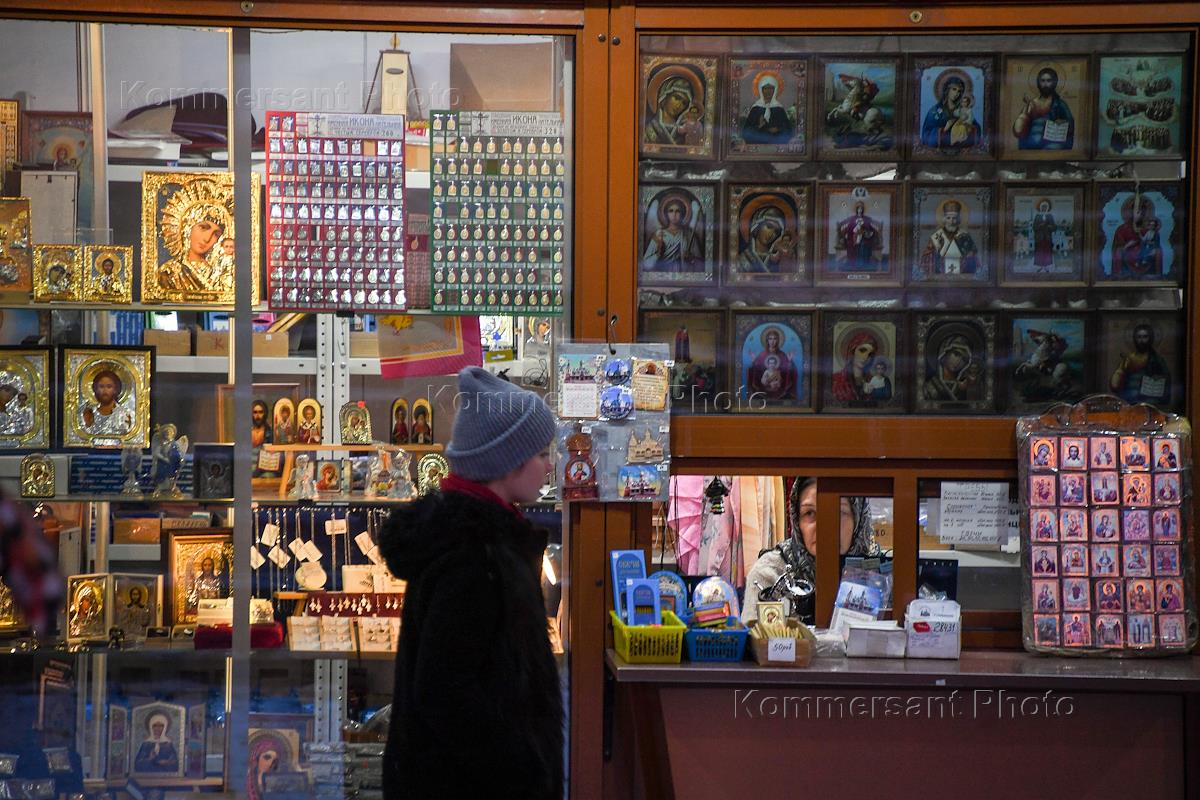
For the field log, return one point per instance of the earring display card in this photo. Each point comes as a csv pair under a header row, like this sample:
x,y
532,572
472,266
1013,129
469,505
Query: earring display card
x,y
335,212
498,184
1110,569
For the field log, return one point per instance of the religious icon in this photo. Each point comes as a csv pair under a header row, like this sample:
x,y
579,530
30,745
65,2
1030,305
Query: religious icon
x,y
10,135
1109,631
1170,595
1139,358
768,108
678,106
1166,559
1043,490
37,476
1135,453
858,109
774,361
329,476
1073,525
1046,363
1077,630
1167,525
355,423
24,397
1073,453
1142,106
771,245
1045,594
431,469
62,140
1045,630
861,362
1139,630
118,742
57,272
1171,628
167,450
1044,561
1045,108
200,567
87,610
188,237
1103,452
1135,525
1105,524
1043,454
107,395
955,358
954,105
16,249
399,421
160,753
1044,236
1165,453
1072,488
422,422
1075,560
678,240
273,752
1140,233
1136,561
859,238
212,471
697,341
1108,596
951,234
135,604
579,468
283,421
1043,525
309,431
107,274
1166,488
1076,594
1139,596
1105,490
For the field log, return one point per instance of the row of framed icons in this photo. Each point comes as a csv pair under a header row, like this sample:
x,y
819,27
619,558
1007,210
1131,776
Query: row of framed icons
x,y
771,360
893,234
949,106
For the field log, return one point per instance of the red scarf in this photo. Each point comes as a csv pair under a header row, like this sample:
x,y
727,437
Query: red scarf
x,y
454,483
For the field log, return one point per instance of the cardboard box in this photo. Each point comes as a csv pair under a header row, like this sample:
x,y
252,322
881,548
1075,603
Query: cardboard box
x,y
271,345
169,343
364,345
504,77
137,530
416,157
876,639
212,343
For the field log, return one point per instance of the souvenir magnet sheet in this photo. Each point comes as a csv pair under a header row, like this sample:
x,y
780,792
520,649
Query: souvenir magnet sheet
x,y
614,429
1106,531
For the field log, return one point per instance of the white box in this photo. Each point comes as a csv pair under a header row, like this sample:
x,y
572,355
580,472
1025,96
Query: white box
x,y
880,639
934,629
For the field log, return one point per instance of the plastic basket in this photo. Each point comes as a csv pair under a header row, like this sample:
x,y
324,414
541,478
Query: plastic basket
x,y
649,644
728,644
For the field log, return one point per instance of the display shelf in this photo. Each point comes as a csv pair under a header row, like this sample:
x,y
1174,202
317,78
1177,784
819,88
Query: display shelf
x,y
60,305
282,654
354,448
125,499
275,500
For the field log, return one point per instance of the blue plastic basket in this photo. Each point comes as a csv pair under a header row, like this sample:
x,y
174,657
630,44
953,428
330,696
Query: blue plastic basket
x,y
726,644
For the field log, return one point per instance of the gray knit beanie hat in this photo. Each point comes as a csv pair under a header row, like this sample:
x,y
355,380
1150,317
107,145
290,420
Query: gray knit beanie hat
x,y
498,427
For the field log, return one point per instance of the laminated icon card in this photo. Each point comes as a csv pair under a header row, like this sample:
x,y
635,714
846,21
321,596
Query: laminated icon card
x,y
1106,530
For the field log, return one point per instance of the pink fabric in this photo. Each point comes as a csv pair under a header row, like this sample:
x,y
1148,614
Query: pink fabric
x,y
706,541
683,515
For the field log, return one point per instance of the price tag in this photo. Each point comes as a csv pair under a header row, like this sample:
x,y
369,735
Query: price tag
x,y
363,540
256,558
270,534
311,552
333,527
279,556
781,648
374,555
295,545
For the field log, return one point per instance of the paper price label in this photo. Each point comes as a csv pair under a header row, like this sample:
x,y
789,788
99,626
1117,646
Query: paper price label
x,y
279,556
333,527
295,545
374,555
311,552
781,648
270,534
256,558
364,543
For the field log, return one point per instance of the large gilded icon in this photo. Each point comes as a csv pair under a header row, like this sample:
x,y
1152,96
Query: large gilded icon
x,y
768,108
188,237
199,567
62,140
106,396
354,419
24,397
858,109
86,608
1044,109
16,250
107,274
956,363
10,113
135,604
678,106
771,241
1142,108
678,238
37,476
954,107
57,272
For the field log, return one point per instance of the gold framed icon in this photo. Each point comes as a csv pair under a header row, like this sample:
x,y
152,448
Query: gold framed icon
x,y
57,273
106,396
107,274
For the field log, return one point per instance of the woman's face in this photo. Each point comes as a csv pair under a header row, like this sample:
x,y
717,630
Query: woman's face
x,y
674,214
204,236
808,521
266,761
772,341
953,92
863,354
767,233
674,104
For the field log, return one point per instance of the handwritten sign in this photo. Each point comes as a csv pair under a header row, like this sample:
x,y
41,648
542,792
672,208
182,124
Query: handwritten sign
x,y
781,648
973,513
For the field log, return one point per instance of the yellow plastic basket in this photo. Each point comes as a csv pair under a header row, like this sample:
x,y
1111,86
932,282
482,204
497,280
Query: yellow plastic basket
x,y
649,644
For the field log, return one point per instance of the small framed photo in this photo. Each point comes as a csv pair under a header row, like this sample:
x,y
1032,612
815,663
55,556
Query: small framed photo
x,y
1047,362
1045,108
1045,630
858,225
1140,232
1135,525
1043,235
1140,359
768,234
1043,453
1167,527
1139,595
1076,594
1077,630
1139,630
773,355
1102,452
956,357
212,471
16,242
1105,488
1135,489
1142,106
953,100
860,362
1104,561
107,392
698,351
1043,490
1166,489
859,108
1045,597
157,730
1170,594
1043,525
1110,631
1075,560
1166,559
107,274
768,108
1105,525
1074,453
1072,487
1044,561
1073,525
25,398
1171,628
678,243
679,102
1165,453
1135,453
951,234
57,273
1135,560
1108,595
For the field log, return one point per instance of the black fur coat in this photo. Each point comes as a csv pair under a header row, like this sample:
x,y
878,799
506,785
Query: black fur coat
x,y
477,710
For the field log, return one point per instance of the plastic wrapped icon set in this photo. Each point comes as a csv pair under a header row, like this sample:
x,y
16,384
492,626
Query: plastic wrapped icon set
x,y
1106,515
614,430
